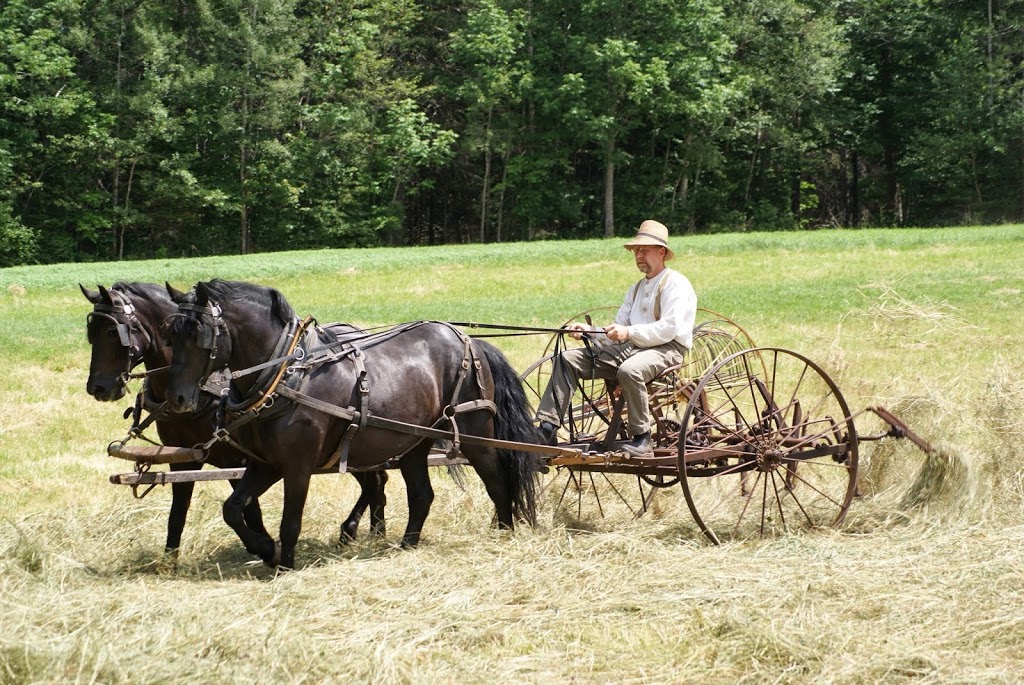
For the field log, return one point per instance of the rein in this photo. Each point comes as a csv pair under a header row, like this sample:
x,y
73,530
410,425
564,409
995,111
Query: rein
x,y
521,330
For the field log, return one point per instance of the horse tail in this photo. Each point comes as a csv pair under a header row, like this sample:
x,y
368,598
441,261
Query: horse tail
x,y
513,422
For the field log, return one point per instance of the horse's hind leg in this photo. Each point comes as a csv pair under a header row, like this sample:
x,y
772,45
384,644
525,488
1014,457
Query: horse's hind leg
x,y
350,525
487,465
380,500
254,482
371,496
421,494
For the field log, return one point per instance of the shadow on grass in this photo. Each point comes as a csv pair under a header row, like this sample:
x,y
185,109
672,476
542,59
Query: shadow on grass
x,y
232,562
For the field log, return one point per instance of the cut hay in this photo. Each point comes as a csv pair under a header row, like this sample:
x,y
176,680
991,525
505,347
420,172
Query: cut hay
x,y
944,476
892,314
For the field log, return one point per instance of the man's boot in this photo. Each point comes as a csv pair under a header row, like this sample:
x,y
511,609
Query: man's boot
x,y
548,433
640,446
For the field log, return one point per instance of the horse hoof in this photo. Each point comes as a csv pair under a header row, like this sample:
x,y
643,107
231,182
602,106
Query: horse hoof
x,y
348,535
274,561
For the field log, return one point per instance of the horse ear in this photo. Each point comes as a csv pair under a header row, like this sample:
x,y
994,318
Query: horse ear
x,y
175,294
105,294
202,294
90,295
280,307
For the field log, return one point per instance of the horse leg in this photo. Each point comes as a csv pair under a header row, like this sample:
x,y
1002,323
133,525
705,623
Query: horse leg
x,y
181,500
350,525
253,515
485,462
296,489
254,482
421,494
380,478
371,495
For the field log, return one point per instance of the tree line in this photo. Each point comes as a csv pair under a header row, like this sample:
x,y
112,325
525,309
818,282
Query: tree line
x,y
192,127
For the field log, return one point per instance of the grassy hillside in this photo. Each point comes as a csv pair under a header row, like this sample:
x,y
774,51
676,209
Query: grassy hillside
x,y
922,584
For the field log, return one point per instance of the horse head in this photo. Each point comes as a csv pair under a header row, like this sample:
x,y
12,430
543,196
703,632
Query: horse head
x,y
118,338
201,344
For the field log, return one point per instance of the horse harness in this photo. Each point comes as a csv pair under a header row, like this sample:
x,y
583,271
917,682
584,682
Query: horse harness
x,y
305,346
131,333
122,313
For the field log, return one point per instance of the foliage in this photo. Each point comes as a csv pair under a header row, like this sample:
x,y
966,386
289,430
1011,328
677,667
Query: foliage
x,y
134,129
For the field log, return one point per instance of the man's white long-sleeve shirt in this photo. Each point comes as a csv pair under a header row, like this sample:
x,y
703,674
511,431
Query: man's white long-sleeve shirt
x,y
668,294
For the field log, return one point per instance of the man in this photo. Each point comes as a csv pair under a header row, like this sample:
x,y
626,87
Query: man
x,y
653,330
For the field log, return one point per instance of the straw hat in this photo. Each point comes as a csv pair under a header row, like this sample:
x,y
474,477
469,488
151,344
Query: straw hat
x,y
651,233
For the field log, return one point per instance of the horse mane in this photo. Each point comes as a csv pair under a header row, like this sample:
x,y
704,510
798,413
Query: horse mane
x,y
149,291
226,291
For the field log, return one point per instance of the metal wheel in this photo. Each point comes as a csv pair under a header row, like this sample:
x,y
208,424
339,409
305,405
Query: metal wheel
x,y
768,445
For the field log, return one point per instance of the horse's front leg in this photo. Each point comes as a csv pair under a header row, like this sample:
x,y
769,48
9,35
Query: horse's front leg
x,y
253,515
296,488
421,494
181,500
258,477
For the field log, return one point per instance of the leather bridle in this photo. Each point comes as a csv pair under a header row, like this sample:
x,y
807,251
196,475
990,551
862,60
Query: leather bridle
x,y
207,335
130,332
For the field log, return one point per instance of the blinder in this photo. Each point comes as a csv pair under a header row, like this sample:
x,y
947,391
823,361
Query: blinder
x,y
206,337
124,335
124,330
206,334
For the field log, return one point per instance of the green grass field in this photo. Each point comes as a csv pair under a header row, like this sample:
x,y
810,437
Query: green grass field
x,y
924,583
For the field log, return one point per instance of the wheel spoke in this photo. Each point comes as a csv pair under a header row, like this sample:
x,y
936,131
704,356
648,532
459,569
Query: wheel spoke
x,y
746,505
812,487
777,422
778,500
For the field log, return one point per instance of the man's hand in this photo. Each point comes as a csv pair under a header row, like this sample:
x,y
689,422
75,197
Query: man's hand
x,y
576,330
617,333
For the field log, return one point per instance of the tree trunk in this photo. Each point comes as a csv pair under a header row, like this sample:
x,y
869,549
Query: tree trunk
x,y
485,190
609,188
243,201
501,193
854,215
119,86
794,196
753,167
888,136
243,160
127,203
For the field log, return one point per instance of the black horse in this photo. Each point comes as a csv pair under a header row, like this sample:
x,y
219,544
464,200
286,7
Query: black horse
x,y
124,331
365,399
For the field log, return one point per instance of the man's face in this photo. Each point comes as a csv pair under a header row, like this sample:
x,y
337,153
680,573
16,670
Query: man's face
x,y
649,260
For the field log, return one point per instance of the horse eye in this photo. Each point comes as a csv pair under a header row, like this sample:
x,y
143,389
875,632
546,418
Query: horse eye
x,y
111,333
